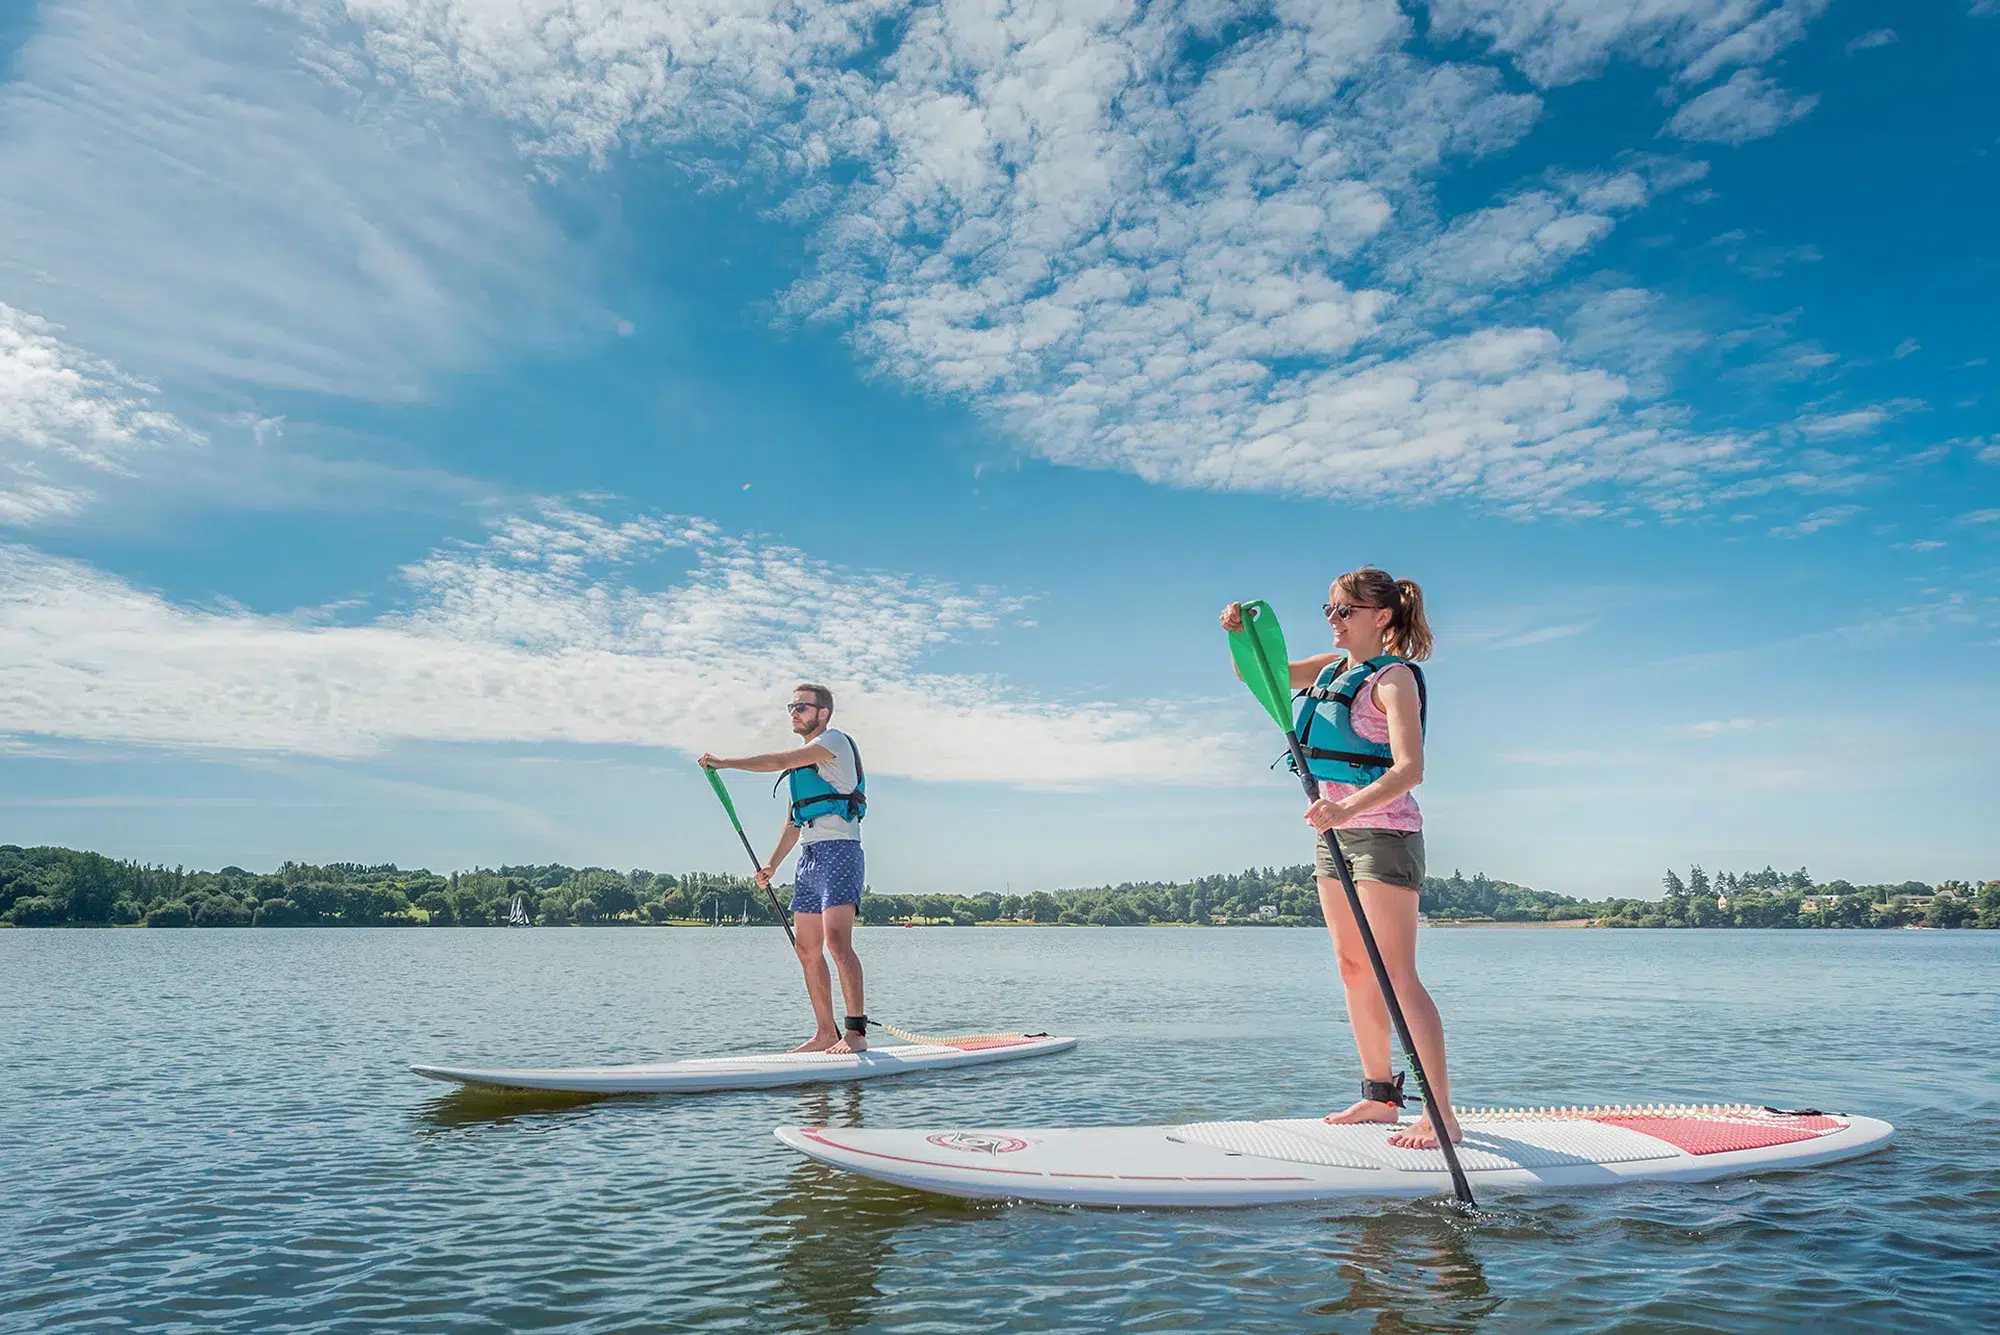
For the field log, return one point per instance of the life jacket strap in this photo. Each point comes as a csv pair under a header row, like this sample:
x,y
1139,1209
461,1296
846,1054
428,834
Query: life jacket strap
x,y
1347,757
857,804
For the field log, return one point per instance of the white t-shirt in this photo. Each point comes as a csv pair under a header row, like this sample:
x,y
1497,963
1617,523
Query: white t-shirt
x,y
840,772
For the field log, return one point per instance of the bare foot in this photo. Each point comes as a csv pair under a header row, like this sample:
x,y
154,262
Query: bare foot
x,y
821,1041
1368,1110
1419,1136
852,1043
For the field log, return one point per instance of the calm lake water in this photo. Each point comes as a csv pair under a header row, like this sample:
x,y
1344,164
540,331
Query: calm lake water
x,y
213,1131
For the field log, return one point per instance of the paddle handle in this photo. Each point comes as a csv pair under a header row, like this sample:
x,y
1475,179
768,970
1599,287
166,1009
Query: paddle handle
x,y
784,919
1459,1184
757,863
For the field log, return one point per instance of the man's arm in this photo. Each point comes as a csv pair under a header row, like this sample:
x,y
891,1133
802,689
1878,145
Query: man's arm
x,y
778,855
771,762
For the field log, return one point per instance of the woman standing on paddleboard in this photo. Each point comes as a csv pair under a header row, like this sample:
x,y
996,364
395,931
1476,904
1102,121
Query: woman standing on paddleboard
x,y
1361,723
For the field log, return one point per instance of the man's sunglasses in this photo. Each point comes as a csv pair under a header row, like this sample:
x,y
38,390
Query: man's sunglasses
x,y
796,708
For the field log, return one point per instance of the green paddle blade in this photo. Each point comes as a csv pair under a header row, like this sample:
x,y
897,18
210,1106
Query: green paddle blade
x,y
1259,651
715,782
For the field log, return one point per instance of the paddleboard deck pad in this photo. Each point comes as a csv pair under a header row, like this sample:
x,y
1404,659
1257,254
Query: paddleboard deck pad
x,y
1259,1163
764,1071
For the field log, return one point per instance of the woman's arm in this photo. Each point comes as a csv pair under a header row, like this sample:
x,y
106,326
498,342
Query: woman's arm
x,y
1306,671
1303,673
771,761
1396,692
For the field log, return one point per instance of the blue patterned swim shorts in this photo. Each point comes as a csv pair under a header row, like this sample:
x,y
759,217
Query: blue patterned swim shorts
x,y
830,872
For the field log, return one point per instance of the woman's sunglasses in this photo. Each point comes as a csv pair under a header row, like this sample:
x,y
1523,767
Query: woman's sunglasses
x,y
1342,611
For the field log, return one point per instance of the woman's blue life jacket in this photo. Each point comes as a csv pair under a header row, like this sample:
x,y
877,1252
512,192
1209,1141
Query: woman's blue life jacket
x,y
1333,749
813,796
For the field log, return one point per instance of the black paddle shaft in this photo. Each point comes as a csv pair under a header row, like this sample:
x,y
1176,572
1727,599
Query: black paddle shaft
x,y
1459,1184
784,920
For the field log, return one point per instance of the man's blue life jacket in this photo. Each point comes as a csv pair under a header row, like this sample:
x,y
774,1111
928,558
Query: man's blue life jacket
x,y
1325,725
813,796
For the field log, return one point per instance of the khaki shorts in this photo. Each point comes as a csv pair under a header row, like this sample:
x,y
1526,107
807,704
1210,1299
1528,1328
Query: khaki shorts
x,y
1394,857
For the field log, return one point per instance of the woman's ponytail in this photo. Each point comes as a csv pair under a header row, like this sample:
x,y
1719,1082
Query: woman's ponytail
x,y
1409,633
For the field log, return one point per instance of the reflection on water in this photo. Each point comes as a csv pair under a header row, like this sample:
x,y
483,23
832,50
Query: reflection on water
x,y
469,1105
1413,1267
837,1232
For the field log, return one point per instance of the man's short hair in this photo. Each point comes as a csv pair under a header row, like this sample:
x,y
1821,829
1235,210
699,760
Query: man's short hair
x,y
821,696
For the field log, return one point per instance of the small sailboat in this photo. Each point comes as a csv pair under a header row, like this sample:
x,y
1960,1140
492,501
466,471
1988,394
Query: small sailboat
x,y
517,913
744,921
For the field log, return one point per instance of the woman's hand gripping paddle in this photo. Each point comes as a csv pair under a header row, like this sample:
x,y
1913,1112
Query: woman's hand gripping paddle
x,y
1259,651
722,795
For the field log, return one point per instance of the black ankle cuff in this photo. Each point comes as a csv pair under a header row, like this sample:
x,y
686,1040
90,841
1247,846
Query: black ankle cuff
x,y
1384,1091
857,1024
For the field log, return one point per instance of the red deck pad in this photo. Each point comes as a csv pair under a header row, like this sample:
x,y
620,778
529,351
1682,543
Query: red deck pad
x,y
1704,1135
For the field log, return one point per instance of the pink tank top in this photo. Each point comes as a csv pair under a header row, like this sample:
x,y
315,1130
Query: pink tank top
x,y
1369,720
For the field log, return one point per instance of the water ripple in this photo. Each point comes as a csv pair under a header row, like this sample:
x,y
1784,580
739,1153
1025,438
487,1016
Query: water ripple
x,y
215,1132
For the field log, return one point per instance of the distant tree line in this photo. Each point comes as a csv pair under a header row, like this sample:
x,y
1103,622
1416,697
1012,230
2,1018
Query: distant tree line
x,y
53,887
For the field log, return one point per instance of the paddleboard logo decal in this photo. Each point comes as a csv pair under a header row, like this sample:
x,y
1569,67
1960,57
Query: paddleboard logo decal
x,y
972,1142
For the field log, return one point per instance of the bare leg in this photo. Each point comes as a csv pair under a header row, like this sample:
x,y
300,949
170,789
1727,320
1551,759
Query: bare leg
x,y
840,941
809,929
1392,914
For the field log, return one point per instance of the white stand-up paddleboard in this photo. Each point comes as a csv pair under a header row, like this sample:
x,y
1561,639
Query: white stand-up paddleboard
x,y
1257,1163
763,1071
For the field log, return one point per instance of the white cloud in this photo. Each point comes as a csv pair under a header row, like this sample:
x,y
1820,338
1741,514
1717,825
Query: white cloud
x,y
187,201
1750,106
1210,277
1557,42
1560,759
1817,520
66,421
1545,635
1868,41
1858,422
1714,727
1524,239
1634,332
545,634
1905,348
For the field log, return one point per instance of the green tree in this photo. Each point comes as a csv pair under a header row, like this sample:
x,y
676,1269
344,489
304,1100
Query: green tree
x,y
35,911
173,913
278,913
1949,911
90,887
609,893
221,911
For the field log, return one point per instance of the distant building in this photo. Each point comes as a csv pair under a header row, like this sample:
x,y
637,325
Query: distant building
x,y
1267,910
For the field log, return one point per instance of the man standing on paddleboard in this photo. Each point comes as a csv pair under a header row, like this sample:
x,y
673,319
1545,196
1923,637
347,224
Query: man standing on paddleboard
x,y
828,799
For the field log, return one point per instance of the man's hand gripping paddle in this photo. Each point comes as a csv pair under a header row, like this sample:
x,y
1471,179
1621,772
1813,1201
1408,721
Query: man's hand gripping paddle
x,y
1259,651
722,795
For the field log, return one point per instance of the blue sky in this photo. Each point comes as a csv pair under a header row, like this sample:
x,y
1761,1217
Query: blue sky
x,y
425,428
